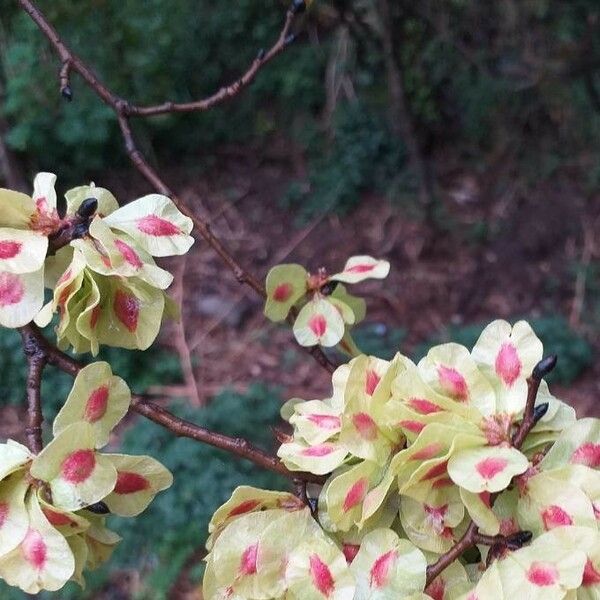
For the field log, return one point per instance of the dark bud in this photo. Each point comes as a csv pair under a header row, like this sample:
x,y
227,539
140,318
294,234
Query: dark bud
x,y
539,411
312,504
80,230
261,54
518,540
290,39
98,508
87,208
328,288
67,93
544,367
298,6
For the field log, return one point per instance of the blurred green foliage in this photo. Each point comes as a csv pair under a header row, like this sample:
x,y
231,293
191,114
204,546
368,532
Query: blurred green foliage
x,y
574,352
516,78
147,54
363,156
160,541
378,339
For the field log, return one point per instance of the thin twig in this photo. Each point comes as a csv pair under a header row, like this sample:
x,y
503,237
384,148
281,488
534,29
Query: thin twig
x,y
36,361
530,417
445,560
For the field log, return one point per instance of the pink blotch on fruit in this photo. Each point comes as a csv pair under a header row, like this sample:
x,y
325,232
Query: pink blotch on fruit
x,y
554,516
542,574
489,467
360,269
437,589
453,383
34,549
9,249
436,471
427,452
78,466
380,571
244,507
356,494
11,289
42,204
95,316
486,498
129,254
350,551
321,575
153,225
130,483
365,426
591,576
587,454
371,382
508,364
127,309
319,450
443,482
412,426
248,560
4,509
318,325
325,421
56,518
422,406
282,292
95,407
66,275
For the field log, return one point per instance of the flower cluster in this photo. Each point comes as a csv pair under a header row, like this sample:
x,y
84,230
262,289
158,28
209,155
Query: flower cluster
x,y
52,505
414,454
326,310
107,289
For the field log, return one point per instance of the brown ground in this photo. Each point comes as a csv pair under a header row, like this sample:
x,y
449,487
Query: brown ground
x,y
436,278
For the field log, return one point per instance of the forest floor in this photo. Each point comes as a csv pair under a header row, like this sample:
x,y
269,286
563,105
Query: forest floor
x,y
499,250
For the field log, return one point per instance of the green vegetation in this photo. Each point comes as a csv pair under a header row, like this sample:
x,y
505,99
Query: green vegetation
x,y
513,78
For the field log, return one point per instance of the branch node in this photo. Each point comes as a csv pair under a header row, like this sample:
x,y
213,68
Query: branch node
x,y
65,80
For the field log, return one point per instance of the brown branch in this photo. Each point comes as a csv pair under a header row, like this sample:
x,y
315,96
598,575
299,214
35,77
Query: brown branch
x,y
239,447
228,91
124,110
236,446
36,361
530,415
445,560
